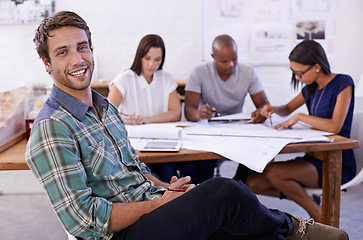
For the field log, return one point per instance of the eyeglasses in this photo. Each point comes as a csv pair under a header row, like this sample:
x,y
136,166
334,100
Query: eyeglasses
x,y
300,74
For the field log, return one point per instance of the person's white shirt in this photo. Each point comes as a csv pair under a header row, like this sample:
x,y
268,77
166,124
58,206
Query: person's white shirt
x,y
142,98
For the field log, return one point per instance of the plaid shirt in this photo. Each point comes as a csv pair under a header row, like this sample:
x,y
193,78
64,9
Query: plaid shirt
x,y
86,163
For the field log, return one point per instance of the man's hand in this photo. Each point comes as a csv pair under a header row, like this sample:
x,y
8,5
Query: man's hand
x,y
176,183
257,117
206,111
134,210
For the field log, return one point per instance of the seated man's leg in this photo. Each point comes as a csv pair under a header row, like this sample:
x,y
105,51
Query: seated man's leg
x,y
217,204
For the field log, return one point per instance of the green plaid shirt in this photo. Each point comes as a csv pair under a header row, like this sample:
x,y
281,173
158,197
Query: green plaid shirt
x,y
86,163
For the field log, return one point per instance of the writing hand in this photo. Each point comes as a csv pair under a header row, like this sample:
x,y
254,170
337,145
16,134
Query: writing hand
x,y
130,119
206,111
140,120
134,119
267,110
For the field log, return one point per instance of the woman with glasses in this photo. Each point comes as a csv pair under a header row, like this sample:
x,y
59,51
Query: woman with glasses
x,y
329,98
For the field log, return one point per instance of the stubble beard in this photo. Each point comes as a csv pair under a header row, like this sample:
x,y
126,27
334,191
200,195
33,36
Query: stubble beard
x,y
62,78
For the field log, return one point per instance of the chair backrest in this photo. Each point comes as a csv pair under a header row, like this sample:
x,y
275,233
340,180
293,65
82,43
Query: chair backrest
x,y
357,133
70,237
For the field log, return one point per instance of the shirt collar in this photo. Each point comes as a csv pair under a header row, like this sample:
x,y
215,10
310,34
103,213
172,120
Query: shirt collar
x,y
77,108
144,84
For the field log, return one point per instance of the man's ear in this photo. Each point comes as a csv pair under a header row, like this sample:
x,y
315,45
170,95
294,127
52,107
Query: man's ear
x,y
212,55
46,64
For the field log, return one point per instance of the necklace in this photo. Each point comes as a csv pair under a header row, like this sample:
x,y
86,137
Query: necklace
x,y
316,106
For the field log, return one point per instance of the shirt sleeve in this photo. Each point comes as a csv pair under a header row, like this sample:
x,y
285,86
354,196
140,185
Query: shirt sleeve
x,y
120,81
345,81
194,82
256,85
53,155
170,83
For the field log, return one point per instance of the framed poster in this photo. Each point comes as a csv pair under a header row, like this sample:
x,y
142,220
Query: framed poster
x,y
266,30
25,11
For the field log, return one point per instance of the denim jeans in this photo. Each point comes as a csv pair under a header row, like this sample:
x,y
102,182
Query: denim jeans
x,y
219,208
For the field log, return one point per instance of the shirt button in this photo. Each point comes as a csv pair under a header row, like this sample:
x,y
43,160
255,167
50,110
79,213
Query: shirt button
x,y
91,227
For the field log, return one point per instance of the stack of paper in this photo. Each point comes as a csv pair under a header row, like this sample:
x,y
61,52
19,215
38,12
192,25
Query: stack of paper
x,y
153,131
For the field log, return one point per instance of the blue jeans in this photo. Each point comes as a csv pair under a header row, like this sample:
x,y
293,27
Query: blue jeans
x,y
219,208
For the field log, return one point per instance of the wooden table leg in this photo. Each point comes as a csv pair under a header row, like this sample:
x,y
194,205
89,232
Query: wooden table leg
x,y
332,175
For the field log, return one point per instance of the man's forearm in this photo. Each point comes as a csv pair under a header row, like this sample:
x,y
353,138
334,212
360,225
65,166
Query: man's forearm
x,y
192,114
126,214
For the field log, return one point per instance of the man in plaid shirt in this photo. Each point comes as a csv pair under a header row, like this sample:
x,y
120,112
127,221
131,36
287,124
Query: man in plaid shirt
x,y
80,152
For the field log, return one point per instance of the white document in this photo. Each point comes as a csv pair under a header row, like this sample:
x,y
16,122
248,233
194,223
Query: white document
x,y
253,145
154,131
263,130
253,131
255,153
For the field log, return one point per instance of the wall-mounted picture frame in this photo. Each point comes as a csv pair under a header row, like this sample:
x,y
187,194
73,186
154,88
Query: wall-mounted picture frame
x,y
25,11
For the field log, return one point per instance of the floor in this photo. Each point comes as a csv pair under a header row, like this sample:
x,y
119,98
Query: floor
x,y
25,211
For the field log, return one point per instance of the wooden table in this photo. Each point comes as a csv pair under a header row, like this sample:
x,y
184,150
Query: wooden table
x,y
329,152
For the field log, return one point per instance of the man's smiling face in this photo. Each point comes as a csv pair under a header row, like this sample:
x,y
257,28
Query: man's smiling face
x,y
71,59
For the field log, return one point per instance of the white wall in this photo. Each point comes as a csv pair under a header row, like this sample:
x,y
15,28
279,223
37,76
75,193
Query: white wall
x,y
117,27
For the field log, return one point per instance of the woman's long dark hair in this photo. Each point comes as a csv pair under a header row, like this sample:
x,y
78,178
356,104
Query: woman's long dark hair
x,y
145,44
309,52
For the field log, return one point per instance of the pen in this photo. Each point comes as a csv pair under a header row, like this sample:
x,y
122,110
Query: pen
x,y
124,114
216,114
176,189
270,116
